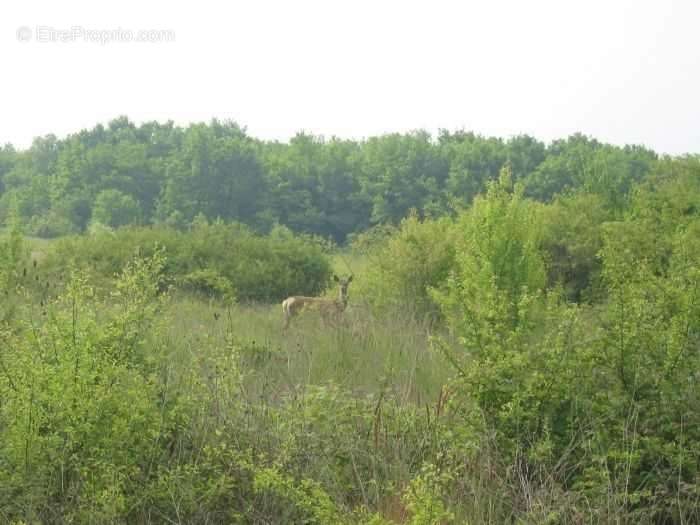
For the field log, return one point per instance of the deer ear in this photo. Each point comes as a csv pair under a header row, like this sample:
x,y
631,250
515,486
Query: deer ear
x,y
335,278
350,279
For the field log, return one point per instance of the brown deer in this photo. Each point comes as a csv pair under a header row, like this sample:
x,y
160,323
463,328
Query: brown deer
x,y
330,309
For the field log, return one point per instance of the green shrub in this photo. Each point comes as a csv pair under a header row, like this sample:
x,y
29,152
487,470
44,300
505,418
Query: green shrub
x,y
13,270
50,226
208,282
292,502
498,264
423,498
599,399
80,405
114,208
405,266
571,240
218,259
12,255
646,361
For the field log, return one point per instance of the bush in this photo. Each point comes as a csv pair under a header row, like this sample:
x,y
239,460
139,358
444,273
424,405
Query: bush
x,y
600,400
405,266
80,405
213,259
209,282
498,261
114,208
572,238
50,226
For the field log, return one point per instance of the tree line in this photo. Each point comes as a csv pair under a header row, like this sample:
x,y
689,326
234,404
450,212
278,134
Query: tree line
x,y
160,173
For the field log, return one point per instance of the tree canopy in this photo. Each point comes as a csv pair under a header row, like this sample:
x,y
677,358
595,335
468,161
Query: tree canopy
x,y
167,174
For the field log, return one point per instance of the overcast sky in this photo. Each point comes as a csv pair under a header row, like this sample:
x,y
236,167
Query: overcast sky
x,y
624,71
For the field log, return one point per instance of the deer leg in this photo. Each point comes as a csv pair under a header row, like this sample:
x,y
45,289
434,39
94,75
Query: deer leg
x,y
286,314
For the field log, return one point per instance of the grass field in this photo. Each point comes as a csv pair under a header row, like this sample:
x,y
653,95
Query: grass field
x,y
127,399
362,353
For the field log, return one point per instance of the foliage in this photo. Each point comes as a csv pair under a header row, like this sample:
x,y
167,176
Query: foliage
x,y
572,237
580,162
423,498
568,391
159,173
114,208
12,252
546,372
13,256
406,264
80,408
498,262
216,259
209,282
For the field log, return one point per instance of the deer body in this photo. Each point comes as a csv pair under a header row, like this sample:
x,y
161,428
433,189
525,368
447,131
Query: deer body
x,y
330,309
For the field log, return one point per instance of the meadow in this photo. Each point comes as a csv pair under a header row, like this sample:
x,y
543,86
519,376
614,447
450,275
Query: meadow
x,y
515,363
230,387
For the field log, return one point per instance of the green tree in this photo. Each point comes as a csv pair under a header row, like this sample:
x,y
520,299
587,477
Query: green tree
x,y
400,173
513,339
572,236
473,162
8,157
217,173
114,208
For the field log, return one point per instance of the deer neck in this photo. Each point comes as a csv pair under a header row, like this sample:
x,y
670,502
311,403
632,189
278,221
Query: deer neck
x,y
342,299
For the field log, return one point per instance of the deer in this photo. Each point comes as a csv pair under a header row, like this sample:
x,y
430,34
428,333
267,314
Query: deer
x,y
329,308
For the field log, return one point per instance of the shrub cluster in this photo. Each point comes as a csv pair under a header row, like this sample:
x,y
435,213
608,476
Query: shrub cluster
x,y
103,419
574,341
574,347
216,260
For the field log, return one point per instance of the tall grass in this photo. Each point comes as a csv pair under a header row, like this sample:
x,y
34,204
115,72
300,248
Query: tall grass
x,y
188,409
362,353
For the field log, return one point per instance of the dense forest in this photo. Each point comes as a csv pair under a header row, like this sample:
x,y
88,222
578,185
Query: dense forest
x,y
520,344
122,174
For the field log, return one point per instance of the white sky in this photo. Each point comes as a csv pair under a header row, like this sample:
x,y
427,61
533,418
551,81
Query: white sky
x,y
623,71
